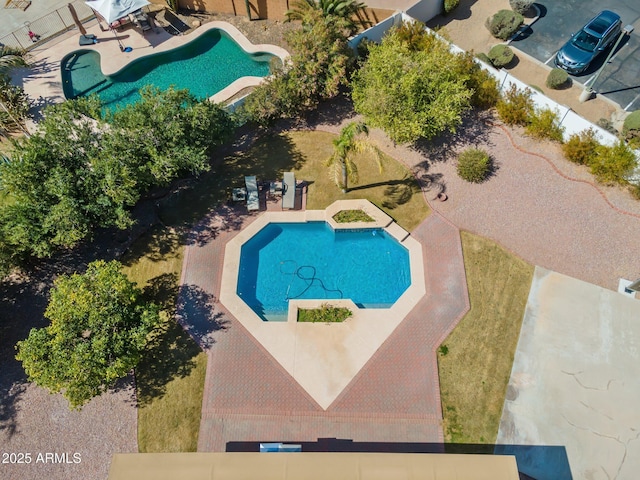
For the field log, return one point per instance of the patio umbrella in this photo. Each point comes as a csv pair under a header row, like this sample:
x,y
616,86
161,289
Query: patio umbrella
x,y
76,20
112,10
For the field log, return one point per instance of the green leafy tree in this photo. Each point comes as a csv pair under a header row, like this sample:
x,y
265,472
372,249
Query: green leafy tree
x,y
77,173
345,147
320,62
99,328
412,93
352,11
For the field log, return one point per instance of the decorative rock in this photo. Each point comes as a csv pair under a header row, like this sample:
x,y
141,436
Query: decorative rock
x,y
196,23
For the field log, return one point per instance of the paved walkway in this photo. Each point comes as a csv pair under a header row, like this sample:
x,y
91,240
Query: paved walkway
x,y
395,397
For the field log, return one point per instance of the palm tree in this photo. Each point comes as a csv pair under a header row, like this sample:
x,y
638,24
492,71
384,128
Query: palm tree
x,y
350,10
344,148
9,58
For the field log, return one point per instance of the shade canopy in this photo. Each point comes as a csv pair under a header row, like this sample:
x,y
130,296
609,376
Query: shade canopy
x,y
112,10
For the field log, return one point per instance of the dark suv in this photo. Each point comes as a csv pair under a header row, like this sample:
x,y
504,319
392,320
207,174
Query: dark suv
x,y
576,55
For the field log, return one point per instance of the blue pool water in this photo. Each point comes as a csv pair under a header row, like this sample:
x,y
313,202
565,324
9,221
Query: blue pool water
x,y
204,66
310,261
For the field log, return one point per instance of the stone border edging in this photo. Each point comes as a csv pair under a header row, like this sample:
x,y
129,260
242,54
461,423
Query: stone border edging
x,y
563,175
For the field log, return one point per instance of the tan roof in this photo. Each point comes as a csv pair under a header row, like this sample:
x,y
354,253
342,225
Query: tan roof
x,y
311,466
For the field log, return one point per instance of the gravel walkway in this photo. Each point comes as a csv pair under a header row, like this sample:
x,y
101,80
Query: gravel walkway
x,y
537,205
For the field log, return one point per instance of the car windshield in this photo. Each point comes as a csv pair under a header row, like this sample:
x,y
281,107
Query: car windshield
x,y
584,41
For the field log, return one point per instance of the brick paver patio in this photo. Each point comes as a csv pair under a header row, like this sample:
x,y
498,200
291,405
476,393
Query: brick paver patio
x,y
394,398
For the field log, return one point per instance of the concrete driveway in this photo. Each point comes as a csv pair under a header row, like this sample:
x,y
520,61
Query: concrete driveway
x,y
574,383
620,80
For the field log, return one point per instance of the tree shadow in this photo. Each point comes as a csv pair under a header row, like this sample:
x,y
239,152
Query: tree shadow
x,y
172,351
196,314
475,130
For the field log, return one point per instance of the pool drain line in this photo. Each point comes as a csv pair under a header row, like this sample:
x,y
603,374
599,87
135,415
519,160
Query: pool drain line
x,y
310,280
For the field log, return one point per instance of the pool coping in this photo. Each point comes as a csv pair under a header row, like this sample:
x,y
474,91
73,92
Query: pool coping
x,y
323,358
44,81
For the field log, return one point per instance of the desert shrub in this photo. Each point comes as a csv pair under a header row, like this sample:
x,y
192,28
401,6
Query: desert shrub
x,y
516,106
544,123
504,24
450,5
474,165
581,147
634,189
612,165
520,6
631,129
484,57
500,55
557,78
483,85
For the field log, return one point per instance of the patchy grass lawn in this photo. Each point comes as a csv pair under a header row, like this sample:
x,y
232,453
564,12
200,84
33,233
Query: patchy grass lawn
x,y
170,378
475,360
394,190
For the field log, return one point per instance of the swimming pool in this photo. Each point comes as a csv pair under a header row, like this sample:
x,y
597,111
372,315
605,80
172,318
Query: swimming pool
x,y
204,66
286,261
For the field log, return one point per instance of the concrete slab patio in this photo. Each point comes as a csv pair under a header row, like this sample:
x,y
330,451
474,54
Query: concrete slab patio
x,y
574,382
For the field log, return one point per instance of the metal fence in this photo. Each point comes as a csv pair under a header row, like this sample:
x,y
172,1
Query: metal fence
x,y
46,27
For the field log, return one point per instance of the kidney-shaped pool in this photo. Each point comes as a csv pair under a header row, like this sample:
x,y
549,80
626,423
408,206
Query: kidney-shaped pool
x,y
287,261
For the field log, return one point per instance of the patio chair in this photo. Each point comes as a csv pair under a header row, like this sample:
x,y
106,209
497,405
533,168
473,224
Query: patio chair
x,y
289,190
253,200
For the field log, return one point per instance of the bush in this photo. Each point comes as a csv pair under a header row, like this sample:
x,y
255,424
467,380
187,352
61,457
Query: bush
x,y
544,123
504,24
500,55
485,58
634,189
581,147
631,128
557,78
474,165
450,5
520,6
483,85
612,165
516,106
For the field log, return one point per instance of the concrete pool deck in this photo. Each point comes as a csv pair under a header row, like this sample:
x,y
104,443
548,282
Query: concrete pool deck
x,y
42,81
323,358
249,396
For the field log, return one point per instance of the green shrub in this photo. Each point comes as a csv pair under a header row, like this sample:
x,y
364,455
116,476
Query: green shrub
x,y
485,89
474,165
325,314
520,6
557,78
581,147
484,57
634,189
500,55
504,24
544,123
631,129
516,106
612,165
450,5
